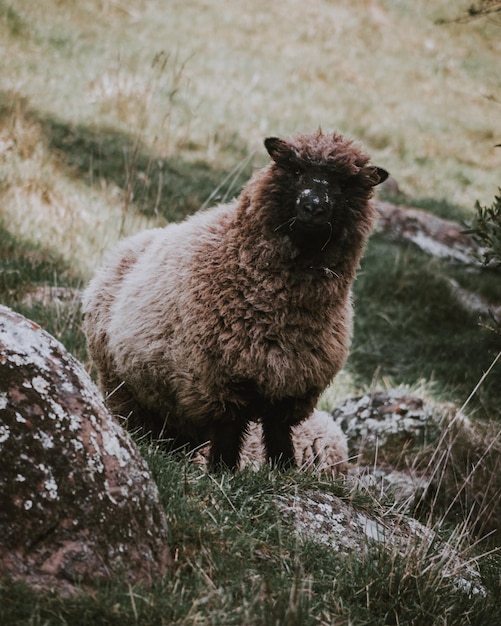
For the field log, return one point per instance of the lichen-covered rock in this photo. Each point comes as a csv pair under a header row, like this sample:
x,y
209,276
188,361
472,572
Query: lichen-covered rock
x,y
386,423
77,502
331,521
405,488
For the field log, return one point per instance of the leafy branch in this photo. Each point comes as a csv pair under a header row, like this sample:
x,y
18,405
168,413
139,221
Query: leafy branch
x,y
475,11
486,230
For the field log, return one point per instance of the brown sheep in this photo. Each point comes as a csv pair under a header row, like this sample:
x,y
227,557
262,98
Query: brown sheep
x,y
241,312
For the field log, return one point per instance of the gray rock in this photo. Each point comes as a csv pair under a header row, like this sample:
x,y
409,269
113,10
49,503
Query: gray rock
x,y
384,424
77,501
326,519
432,234
404,488
386,430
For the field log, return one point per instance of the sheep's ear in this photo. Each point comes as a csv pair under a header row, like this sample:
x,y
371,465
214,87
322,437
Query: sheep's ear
x,y
375,175
279,150
382,175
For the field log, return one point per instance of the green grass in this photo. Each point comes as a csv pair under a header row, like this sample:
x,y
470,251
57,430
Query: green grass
x,y
153,185
15,24
238,561
409,326
24,266
119,116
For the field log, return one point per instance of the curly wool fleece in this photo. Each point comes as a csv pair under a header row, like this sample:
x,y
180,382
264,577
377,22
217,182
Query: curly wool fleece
x,y
242,312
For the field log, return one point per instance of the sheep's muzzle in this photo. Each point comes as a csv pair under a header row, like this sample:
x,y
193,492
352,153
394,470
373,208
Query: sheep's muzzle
x,y
313,204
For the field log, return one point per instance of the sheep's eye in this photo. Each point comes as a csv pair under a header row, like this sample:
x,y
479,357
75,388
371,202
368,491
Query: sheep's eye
x,y
295,170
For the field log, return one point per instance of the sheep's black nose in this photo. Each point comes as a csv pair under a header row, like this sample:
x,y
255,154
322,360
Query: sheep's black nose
x,y
310,206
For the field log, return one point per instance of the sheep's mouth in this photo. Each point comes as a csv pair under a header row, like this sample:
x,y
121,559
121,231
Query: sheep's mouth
x,y
308,235
313,224
313,227
307,229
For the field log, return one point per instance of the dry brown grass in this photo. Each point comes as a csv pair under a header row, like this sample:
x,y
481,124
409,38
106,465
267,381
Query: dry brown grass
x,y
209,80
42,201
419,94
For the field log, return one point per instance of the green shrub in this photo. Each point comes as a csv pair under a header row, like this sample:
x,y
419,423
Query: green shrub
x,y
486,230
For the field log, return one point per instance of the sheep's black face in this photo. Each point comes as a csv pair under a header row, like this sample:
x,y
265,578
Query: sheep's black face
x,y
319,199
319,209
315,200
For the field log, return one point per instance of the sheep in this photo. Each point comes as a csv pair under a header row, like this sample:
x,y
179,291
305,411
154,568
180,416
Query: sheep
x,y
242,312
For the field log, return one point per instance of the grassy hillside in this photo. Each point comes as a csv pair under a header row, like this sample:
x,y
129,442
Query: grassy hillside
x,y
118,115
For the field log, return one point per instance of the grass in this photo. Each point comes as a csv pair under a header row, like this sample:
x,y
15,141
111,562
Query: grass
x,y
239,562
119,116
410,326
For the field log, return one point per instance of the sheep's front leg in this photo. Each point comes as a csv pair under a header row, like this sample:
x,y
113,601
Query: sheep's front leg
x,y
278,418
226,444
277,438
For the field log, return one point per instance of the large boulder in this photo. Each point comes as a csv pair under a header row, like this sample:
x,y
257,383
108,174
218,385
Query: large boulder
x,y
77,501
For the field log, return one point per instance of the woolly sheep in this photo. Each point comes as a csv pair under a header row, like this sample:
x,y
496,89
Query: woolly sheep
x,y
241,312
